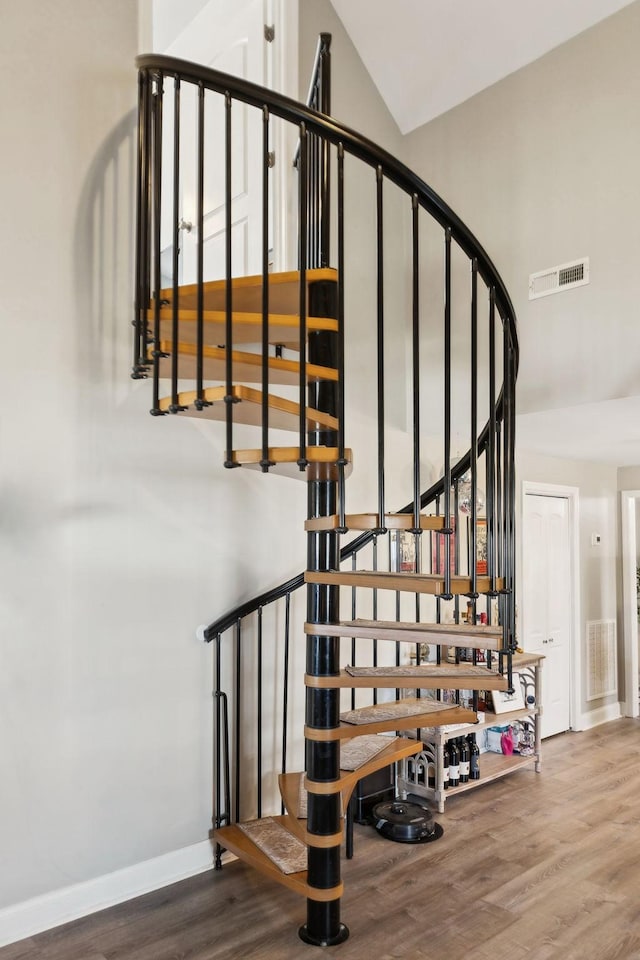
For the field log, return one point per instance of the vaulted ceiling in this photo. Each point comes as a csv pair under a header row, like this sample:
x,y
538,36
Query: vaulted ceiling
x,y
426,56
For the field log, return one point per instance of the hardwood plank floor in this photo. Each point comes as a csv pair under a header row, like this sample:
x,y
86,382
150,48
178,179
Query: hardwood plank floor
x,y
531,867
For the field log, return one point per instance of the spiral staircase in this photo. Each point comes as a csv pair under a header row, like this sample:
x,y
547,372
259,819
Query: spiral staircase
x,y
272,351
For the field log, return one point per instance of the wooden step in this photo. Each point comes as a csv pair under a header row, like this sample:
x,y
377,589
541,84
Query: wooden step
x,y
369,521
247,367
430,583
395,749
428,713
283,318
284,295
322,460
283,414
233,838
426,676
247,327
478,636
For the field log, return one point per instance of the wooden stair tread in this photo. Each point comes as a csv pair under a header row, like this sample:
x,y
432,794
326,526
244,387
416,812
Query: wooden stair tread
x,y
429,583
429,713
284,291
478,636
369,521
427,676
283,413
246,327
246,366
234,839
321,459
395,749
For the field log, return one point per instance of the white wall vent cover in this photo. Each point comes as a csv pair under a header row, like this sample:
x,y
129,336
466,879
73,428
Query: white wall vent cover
x,y
555,279
602,668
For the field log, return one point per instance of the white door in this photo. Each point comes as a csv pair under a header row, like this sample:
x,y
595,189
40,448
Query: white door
x,y
547,603
226,35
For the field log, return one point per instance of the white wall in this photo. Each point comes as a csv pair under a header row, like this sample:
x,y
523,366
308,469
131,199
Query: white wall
x,y
121,532
542,166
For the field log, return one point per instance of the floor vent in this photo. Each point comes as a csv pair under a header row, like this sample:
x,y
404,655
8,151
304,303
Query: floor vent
x,y
555,279
602,671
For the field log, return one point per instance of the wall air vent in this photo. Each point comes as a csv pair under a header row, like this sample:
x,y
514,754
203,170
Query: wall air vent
x,y
555,279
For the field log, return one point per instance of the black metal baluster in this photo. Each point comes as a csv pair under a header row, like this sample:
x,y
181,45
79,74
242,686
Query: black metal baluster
x,y
217,747
229,395
314,210
325,166
353,617
491,449
416,365
380,346
157,240
175,407
259,711
474,433
511,495
342,462
374,643
447,416
285,681
265,461
200,402
138,370
238,717
302,259
499,500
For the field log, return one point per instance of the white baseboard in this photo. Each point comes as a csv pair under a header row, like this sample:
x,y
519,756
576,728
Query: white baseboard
x,y
69,903
613,711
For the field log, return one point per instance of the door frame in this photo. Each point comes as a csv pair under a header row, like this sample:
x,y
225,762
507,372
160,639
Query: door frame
x,y
628,501
572,495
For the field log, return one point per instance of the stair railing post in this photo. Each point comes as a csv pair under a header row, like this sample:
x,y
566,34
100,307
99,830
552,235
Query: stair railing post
x,y
322,708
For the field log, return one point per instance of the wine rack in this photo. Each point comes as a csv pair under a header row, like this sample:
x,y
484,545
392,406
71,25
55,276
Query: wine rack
x,y
414,772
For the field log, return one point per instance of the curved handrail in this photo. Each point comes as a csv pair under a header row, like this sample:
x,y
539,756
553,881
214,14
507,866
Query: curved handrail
x,y
385,164
227,620
366,150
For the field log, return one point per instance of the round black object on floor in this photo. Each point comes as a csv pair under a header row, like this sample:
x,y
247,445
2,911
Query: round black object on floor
x,y
406,822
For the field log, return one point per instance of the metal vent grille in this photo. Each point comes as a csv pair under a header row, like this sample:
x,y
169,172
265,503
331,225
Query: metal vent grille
x,y
602,670
562,277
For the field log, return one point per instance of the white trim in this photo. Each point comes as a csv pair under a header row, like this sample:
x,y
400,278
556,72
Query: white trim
x,y
612,711
572,495
630,616
69,903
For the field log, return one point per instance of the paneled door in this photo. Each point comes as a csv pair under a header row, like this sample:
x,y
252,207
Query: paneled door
x,y
229,36
547,603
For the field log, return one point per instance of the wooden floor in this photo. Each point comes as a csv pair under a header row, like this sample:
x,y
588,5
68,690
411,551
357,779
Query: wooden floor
x,y
535,866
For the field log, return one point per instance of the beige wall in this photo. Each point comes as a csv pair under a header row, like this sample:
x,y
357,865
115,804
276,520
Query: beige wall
x,y
542,166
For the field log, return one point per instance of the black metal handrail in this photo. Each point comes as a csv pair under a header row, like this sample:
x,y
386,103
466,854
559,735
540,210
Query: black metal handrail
x,y
358,146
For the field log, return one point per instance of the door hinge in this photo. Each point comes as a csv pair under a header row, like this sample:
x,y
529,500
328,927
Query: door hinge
x,y
271,158
269,33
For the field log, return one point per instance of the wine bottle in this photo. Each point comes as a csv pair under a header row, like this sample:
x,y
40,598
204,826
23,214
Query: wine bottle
x,y
454,764
445,763
474,757
465,757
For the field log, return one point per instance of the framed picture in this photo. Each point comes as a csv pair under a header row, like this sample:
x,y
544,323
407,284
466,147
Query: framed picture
x,y
438,550
402,552
481,545
504,702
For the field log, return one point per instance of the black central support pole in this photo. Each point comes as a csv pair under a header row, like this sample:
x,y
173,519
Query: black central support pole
x,y
323,927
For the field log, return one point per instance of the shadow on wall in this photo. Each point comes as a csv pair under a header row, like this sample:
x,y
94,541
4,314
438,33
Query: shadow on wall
x,y
104,246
